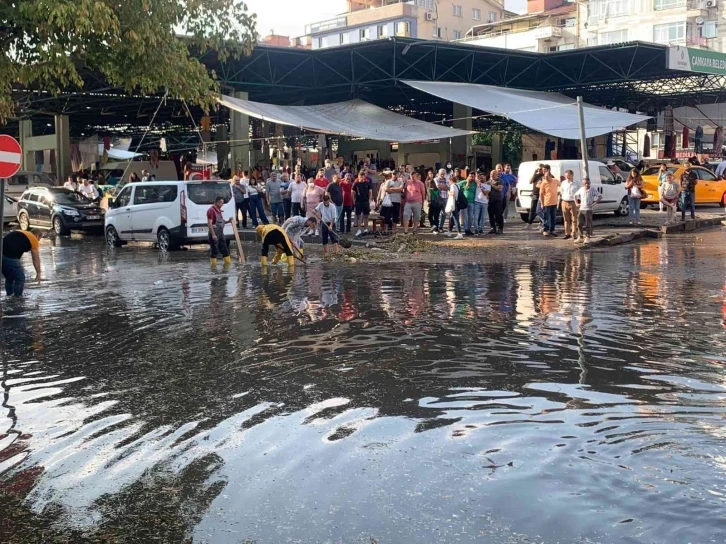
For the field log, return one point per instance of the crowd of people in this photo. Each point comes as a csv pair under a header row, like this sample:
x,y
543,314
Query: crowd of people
x,y
456,202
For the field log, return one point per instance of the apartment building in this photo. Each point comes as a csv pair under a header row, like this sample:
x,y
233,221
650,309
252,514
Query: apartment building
x,y
692,23
424,19
548,25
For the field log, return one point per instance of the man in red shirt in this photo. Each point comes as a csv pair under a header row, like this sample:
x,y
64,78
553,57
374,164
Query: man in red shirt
x,y
347,185
415,194
217,241
321,180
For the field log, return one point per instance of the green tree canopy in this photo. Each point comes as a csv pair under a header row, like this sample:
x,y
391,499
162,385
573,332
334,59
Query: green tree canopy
x,y
141,46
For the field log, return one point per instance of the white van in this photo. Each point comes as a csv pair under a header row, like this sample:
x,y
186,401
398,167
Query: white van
x,y
16,185
170,213
614,194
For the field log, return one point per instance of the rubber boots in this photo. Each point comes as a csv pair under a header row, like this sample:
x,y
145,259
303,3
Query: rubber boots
x,y
290,261
277,257
263,261
227,260
213,262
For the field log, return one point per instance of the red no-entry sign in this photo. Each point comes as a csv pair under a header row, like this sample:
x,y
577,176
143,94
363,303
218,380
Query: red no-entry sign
x,y
10,156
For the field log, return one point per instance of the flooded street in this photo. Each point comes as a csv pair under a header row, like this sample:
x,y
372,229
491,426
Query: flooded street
x,y
574,399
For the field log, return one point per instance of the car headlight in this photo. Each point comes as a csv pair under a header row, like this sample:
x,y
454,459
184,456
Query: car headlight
x,y
70,212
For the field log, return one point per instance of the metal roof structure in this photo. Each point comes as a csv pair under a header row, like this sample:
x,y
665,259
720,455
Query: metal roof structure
x,y
633,76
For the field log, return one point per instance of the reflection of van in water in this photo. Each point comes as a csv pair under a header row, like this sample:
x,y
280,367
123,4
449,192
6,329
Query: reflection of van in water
x,y
170,213
114,171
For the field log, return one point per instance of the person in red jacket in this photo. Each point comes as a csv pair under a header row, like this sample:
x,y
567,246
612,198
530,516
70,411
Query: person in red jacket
x,y
321,180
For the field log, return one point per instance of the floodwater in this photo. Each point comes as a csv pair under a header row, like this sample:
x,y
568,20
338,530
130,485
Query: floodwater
x,y
576,399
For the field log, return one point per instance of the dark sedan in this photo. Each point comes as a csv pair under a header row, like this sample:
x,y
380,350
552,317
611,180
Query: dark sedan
x,y
59,209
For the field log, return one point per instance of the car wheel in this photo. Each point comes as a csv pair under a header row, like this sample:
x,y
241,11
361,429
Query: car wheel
x,y
164,240
644,206
23,221
112,238
623,209
525,217
723,201
60,228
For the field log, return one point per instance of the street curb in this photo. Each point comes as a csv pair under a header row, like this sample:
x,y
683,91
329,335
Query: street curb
x,y
690,226
618,239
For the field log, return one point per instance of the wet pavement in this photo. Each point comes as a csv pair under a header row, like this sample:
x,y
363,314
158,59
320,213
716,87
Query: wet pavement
x,y
575,398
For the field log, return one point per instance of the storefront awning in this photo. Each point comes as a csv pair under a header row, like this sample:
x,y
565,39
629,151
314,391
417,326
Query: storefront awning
x,y
352,118
550,113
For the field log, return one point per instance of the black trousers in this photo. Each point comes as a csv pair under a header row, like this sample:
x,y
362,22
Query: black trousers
x,y
297,209
242,207
287,206
434,214
496,218
275,238
533,210
218,246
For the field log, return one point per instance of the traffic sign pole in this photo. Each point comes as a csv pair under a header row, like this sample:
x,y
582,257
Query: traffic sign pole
x,y
10,157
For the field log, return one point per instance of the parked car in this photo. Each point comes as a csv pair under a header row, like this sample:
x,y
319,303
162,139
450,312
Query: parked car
x,y
59,209
16,185
709,190
622,164
170,213
10,210
614,194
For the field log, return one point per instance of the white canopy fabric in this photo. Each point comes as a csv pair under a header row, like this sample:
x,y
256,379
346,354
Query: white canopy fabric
x,y
550,113
118,154
352,118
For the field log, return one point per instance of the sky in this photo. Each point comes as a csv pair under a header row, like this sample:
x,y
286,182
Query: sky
x,y
289,17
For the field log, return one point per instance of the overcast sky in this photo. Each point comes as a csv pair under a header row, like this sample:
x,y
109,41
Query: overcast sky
x,y
289,17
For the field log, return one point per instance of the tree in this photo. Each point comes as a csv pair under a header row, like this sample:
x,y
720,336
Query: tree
x,y
511,143
141,46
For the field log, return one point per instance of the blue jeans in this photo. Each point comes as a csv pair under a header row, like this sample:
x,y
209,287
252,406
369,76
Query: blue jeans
x,y
255,208
344,219
634,208
445,216
480,215
550,216
278,211
688,201
14,276
468,217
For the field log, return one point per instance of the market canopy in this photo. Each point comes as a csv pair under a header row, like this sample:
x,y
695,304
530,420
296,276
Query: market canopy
x,y
351,118
550,113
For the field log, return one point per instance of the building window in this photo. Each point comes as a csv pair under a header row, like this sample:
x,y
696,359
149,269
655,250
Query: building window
x,y
426,4
616,36
437,32
320,43
613,8
476,14
457,10
492,17
668,4
365,34
669,33
344,37
457,34
381,33
570,22
563,47
403,28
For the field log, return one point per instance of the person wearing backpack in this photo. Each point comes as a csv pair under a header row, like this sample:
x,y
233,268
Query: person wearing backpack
x,y
468,192
451,211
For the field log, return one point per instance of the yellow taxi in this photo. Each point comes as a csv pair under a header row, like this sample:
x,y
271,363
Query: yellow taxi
x,y
709,190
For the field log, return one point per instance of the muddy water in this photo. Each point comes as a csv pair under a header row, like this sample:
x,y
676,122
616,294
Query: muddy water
x,y
579,399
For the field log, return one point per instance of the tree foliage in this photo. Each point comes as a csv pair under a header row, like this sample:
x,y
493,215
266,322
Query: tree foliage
x,y
141,46
511,144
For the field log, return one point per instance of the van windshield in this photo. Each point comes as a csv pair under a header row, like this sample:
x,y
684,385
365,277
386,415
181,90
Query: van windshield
x,y
205,193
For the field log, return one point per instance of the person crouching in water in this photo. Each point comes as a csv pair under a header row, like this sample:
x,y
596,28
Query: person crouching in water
x,y
217,241
15,244
275,236
327,213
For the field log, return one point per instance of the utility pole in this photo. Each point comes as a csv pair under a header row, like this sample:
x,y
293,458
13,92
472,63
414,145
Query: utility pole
x,y
583,137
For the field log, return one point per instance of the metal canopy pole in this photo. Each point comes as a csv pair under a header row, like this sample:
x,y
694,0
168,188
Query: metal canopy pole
x,y
583,138
2,212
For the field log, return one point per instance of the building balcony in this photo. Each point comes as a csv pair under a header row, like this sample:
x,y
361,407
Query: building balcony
x,y
546,32
383,13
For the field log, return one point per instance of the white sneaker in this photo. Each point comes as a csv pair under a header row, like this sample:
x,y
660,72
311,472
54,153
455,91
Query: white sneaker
x,y
317,233
587,239
459,237
357,234
365,231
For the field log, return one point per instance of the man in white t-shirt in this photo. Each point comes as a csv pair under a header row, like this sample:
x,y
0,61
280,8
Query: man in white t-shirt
x,y
586,198
568,188
327,213
481,204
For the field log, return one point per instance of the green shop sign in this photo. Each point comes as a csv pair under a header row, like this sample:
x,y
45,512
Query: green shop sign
x,y
702,61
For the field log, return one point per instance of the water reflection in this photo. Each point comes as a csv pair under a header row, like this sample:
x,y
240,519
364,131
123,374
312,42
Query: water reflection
x,y
411,403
